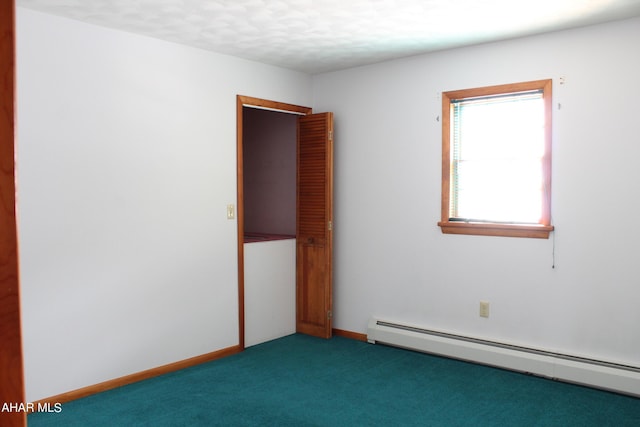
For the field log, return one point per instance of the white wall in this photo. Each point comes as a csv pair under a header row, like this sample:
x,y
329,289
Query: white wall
x,y
391,259
269,290
126,162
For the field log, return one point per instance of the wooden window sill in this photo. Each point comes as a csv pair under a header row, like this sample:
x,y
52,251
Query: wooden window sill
x,y
496,229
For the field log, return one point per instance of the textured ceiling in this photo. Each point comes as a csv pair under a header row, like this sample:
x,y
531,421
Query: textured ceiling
x,y
316,36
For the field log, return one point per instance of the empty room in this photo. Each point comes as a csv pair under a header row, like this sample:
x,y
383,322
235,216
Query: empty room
x,y
173,215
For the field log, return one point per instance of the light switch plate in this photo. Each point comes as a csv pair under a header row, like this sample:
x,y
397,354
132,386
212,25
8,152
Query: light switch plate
x,y
484,308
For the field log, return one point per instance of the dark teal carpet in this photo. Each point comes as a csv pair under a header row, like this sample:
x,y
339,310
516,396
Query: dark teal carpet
x,y
304,381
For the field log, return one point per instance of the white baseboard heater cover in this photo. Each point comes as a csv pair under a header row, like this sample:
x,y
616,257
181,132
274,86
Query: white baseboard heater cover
x,y
594,373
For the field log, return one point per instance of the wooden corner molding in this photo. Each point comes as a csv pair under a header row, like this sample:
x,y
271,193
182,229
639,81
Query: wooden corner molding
x,y
11,363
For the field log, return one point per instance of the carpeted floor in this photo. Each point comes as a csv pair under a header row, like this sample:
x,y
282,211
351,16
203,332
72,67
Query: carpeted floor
x,y
303,381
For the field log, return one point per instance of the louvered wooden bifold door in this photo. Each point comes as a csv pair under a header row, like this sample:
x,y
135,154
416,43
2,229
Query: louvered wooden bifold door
x,y
314,243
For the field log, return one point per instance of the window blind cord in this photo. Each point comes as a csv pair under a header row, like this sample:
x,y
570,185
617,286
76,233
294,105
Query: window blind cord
x,y
553,233
553,249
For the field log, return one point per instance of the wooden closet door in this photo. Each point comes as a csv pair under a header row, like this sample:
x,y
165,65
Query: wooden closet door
x,y
314,242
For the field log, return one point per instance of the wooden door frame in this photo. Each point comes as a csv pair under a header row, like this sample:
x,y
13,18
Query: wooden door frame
x,y
11,361
247,101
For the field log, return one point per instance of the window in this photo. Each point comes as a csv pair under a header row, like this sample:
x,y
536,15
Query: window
x,y
496,160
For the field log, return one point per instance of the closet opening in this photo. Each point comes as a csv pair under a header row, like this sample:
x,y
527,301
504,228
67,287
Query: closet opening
x,y
269,181
266,216
285,220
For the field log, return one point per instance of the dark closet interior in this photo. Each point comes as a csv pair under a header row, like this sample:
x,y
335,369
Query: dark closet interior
x,y
269,174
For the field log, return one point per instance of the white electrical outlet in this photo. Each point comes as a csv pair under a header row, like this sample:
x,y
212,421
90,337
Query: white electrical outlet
x,y
484,308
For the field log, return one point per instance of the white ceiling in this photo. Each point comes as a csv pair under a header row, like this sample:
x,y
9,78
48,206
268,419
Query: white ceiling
x,y
316,36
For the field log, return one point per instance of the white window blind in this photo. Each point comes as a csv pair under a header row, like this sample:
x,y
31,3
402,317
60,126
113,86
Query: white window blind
x,y
497,154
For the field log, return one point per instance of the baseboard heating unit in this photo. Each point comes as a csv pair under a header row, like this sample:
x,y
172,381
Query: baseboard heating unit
x,y
615,377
